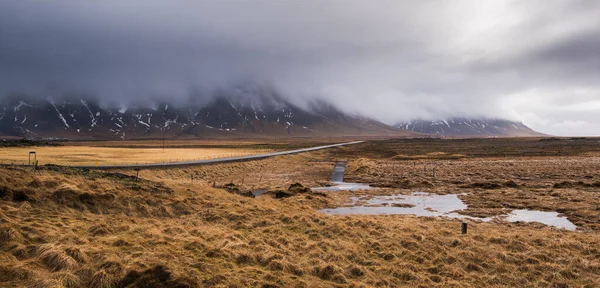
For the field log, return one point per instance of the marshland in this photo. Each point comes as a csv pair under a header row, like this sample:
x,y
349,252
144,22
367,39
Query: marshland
x,y
201,226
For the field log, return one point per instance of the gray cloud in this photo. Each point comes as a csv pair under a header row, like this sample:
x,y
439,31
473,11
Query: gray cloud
x,y
536,61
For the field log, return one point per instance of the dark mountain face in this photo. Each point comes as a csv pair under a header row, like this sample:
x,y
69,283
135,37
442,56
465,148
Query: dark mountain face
x,y
457,127
238,113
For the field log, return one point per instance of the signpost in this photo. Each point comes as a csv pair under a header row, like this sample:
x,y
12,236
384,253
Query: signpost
x,y
34,157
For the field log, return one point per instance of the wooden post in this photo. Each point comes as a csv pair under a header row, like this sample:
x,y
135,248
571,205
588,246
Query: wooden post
x,y
464,228
433,172
137,174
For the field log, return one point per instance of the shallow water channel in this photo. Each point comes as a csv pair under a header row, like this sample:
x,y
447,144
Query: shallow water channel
x,y
337,179
425,204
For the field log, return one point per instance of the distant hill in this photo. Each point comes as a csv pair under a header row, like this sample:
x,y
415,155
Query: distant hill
x,y
236,113
469,127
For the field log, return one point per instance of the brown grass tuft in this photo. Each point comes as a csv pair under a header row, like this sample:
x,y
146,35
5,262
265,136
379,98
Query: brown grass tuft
x,y
35,183
101,279
46,283
326,271
13,274
8,234
67,279
244,259
76,254
56,260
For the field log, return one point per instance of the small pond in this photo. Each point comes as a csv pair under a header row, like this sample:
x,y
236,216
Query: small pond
x,y
425,204
547,218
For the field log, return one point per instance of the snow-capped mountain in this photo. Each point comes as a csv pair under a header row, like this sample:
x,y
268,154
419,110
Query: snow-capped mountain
x,y
237,113
469,127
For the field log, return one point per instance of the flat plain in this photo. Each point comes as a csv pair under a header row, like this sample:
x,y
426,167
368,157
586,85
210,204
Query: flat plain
x,y
198,225
94,155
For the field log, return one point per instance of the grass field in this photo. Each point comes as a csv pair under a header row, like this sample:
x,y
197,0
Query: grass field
x,y
208,143
76,228
93,155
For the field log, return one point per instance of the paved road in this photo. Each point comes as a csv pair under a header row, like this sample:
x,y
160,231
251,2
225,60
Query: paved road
x,y
219,160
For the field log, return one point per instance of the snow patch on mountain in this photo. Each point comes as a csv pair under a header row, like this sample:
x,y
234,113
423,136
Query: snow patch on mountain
x,y
60,116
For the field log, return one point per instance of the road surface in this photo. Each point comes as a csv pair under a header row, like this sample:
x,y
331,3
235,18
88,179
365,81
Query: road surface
x,y
219,160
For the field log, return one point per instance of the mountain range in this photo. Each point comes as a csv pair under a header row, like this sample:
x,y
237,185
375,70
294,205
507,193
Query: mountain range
x,y
237,113
469,127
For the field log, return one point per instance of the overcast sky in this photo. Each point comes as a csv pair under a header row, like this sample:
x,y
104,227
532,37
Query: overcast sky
x,y
533,61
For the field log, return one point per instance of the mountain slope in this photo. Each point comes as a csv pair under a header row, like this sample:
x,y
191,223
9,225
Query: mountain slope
x,y
241,113
469,127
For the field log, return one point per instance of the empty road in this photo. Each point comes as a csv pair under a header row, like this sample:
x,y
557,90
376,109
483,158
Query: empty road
x,y
220,160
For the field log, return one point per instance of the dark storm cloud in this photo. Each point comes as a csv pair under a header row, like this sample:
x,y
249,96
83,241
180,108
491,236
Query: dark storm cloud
x,y
535,61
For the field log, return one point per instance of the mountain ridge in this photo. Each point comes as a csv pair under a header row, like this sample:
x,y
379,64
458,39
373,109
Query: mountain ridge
x,y
237,114
469,127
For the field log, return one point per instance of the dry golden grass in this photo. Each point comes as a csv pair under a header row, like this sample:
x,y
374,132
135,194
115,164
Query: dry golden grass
x,y
495,186
432,155
174,143
312,169
69,228
87,155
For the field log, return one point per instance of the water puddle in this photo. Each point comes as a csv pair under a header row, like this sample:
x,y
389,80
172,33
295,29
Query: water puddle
x,y
547,218
259,192
433,205
343,186
419,204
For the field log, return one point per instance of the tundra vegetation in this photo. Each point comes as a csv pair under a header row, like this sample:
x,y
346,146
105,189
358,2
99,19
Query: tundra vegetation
x,y
198,225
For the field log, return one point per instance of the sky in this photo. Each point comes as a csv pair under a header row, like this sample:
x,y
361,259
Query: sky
x,y
534,61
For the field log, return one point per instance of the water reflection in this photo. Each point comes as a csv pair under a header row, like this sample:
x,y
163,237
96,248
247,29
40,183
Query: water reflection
x,y
547,218
419,204
425,204
343,186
